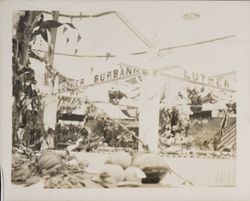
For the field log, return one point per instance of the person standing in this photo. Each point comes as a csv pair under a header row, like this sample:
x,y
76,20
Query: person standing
x,y
174,120
50,139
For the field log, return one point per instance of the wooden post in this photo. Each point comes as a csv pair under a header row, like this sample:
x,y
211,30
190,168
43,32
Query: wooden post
x,y
52,44
50,103
149,111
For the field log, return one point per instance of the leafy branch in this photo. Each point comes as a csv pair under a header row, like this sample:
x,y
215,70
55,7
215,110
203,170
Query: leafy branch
x,y
27,105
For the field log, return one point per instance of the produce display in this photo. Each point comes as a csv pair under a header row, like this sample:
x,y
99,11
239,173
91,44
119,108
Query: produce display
x,y
42,165
59,116
62,170
50,162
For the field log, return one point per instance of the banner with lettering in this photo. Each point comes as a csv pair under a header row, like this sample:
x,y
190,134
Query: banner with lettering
x,y
67,84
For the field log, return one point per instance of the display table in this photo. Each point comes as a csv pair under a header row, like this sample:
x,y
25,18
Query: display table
x,y
200,171
205,172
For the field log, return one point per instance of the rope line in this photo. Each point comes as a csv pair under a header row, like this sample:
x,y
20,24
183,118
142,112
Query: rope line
x,y
197,43
83,16
133,29
144,52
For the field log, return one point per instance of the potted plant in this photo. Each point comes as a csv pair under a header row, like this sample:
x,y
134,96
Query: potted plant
x,y
115,96
198,98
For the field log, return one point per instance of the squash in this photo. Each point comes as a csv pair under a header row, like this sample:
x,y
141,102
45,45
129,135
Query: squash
x,y
114,171
20,174
120,158
49,161
71,157
134,174
152,165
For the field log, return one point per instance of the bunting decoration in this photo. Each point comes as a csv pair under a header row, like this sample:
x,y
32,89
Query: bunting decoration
x,y
69,104
80,15
46,26
67,40
108,55
65,29
79,38
84,16
52,24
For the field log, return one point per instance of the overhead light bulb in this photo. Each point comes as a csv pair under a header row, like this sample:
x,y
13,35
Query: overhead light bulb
x,y
191,16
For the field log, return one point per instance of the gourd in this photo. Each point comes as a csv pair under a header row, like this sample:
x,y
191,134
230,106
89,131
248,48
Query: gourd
x,y
120,158
114,171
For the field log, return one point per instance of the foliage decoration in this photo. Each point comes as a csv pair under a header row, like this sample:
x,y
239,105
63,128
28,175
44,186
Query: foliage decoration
x,y
115,96
27,103
197,98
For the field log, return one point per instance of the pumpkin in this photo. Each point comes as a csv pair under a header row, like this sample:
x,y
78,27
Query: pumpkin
x,y
20,174
114,171
120,158
71,157
49,161
83,164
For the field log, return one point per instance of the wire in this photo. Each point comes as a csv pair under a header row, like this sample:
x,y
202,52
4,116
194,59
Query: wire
x,y
197,43
118,14
83,16
133,29
144,52
74,55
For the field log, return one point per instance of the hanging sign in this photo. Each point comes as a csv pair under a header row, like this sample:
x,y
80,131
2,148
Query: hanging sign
x,y
67,84
115,74
205,79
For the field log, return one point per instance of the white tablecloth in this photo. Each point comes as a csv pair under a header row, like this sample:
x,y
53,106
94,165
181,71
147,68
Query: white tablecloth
x,y
200,171
205,172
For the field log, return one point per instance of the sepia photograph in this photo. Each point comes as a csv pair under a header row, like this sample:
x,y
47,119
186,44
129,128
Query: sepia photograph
x,y
126,96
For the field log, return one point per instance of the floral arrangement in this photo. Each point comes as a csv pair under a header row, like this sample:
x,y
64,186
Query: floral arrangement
x,y
196,97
